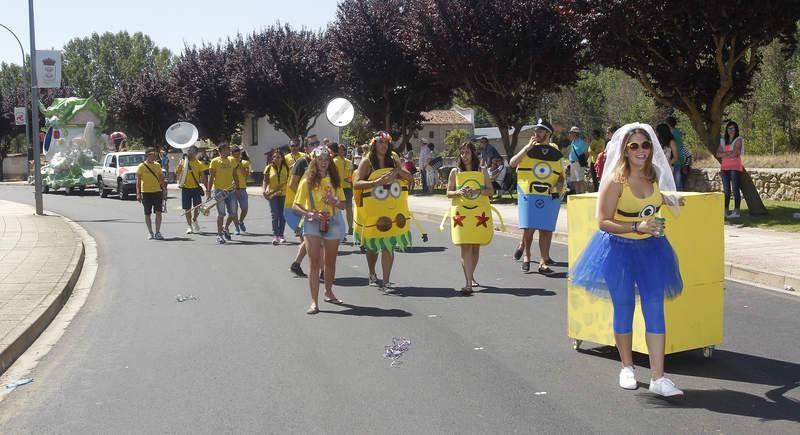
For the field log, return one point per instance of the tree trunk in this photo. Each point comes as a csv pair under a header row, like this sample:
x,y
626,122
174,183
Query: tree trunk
x,y
506,140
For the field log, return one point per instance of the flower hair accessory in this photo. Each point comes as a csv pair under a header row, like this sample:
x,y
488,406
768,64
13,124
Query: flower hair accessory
x,y
382,136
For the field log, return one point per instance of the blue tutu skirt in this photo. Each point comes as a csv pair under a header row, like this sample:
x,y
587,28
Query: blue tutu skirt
x,y
611,263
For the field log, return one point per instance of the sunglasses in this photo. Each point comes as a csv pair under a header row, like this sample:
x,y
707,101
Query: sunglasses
x,y
646,145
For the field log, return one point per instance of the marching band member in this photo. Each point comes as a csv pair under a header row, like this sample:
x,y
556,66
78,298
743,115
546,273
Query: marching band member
x,y
240,193
319,200
224,179
276,177
191,190
149,191
345,169
629,254
292,218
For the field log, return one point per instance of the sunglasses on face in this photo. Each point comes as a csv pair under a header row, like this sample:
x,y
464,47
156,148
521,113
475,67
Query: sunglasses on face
x,y
731,128
646,145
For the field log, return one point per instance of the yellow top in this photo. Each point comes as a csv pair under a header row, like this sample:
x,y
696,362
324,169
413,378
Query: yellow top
x,y
292,158
223,172
193,177
633,209
150,182
319,193
243,173
345,169
277,179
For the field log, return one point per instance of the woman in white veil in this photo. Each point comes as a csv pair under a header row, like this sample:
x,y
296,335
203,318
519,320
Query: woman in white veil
x,y
629,255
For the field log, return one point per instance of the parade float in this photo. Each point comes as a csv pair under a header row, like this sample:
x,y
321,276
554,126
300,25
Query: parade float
x,y
72,144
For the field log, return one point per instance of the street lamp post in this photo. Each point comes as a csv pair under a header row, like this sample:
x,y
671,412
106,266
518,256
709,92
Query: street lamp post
x,y
37,163
27,121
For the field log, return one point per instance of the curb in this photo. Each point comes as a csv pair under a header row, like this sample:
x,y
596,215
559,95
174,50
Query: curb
x,y
32,327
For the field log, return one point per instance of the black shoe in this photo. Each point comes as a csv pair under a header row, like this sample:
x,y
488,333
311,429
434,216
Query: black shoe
x,y
297,270
517,254
321,276
526,266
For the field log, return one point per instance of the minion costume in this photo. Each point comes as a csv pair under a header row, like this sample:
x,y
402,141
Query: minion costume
x,y
471,216
381,219
537,175
620,266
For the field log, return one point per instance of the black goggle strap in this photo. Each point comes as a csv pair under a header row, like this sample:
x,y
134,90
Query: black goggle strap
x,y
634,214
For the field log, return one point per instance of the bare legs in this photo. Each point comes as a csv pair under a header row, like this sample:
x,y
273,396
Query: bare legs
x,y
470,254
545,240
321,254
387,260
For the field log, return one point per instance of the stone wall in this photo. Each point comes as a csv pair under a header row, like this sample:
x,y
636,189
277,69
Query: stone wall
x,y
774,184
15,167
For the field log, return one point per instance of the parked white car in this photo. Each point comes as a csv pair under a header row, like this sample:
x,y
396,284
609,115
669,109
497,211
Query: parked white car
x,y
118,173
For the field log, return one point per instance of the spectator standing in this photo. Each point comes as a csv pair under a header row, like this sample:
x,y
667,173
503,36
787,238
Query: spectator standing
x,y
677,135
731,148
425,155
578,160
667,142
487,152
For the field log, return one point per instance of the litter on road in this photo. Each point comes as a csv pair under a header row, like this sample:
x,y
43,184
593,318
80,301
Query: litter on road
x,y
19,383
181,298
396,350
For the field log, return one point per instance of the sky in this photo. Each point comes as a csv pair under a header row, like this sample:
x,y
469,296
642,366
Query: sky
x,y
169,23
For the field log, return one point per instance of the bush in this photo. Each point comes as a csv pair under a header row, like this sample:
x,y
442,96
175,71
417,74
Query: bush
x,y
453,140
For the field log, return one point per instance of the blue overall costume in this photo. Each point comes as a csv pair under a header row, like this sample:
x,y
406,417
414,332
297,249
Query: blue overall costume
x,y
622,265
537,175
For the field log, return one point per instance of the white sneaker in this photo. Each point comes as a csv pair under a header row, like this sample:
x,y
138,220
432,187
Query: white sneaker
x,y
196,227
189,230
734,214
158,236
664,387
373,280
627,380
150,236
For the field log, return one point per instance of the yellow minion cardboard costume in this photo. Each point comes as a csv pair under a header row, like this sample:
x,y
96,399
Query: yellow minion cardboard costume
x,y
537,175
382,219
471,216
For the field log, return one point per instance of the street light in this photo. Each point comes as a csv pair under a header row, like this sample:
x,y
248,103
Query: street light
x,y
27,121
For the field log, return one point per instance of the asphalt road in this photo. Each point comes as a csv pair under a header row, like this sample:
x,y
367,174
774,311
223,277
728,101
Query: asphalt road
x,y
246,358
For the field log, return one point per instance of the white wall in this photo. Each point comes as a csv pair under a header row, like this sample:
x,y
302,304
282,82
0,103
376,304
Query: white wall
x,y
269,138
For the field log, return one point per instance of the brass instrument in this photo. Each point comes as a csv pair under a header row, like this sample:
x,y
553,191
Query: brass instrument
x,y
209,204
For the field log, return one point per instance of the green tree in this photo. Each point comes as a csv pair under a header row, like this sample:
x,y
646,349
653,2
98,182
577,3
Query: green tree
x,y
96,65
453,140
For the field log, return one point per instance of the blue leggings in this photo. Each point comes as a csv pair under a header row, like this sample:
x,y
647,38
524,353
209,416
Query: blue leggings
x,y
624,301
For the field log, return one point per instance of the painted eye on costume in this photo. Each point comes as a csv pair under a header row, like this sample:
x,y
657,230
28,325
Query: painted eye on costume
x,y
648,211
542,170
395,189
380,192
473,194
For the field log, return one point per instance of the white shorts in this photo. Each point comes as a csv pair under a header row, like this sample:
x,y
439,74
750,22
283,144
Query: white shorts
x,y
576,173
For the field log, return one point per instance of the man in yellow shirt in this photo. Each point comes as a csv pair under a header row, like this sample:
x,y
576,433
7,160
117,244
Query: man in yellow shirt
x,y
191,190
294,153
149,191
224,180
345,169
242,170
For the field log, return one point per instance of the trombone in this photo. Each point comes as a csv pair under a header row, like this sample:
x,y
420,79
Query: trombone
x,y
206,206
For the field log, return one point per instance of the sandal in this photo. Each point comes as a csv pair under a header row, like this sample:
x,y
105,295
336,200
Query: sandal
x,y
466,291
313,310
543,269
549,262
526,266
475,283
333,300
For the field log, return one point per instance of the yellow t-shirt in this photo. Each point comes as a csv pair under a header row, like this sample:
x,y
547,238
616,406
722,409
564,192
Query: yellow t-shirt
x,y
223,172
195,176
277,178
243,176
345,170
319,192
291,158
150,182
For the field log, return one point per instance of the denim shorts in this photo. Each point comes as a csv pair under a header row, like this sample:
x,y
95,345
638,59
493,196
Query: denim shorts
x,y
225,206
335,231
241,197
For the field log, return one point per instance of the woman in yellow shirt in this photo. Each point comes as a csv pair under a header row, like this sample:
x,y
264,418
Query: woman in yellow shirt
x,y
276,175
319,200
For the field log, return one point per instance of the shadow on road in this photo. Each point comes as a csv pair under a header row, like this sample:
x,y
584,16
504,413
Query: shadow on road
x,y
356,310
117,220
426,292
729,366
424,249
352,281
774,407
522,292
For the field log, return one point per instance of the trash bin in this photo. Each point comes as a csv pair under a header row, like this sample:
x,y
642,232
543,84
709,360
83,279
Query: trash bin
x,y
694,318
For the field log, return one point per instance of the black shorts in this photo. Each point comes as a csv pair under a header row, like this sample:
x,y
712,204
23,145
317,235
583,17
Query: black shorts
x,y
152,202
191,196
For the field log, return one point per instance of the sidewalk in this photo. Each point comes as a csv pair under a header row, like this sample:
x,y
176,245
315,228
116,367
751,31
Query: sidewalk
x,y
40,261
764,257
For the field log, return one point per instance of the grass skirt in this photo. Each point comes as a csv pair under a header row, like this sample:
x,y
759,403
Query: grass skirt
x,y
611,263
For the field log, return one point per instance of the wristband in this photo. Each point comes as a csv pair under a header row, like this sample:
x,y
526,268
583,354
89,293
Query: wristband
x,y
635,227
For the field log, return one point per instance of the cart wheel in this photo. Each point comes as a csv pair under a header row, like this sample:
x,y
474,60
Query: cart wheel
x,y
576,344
708,351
